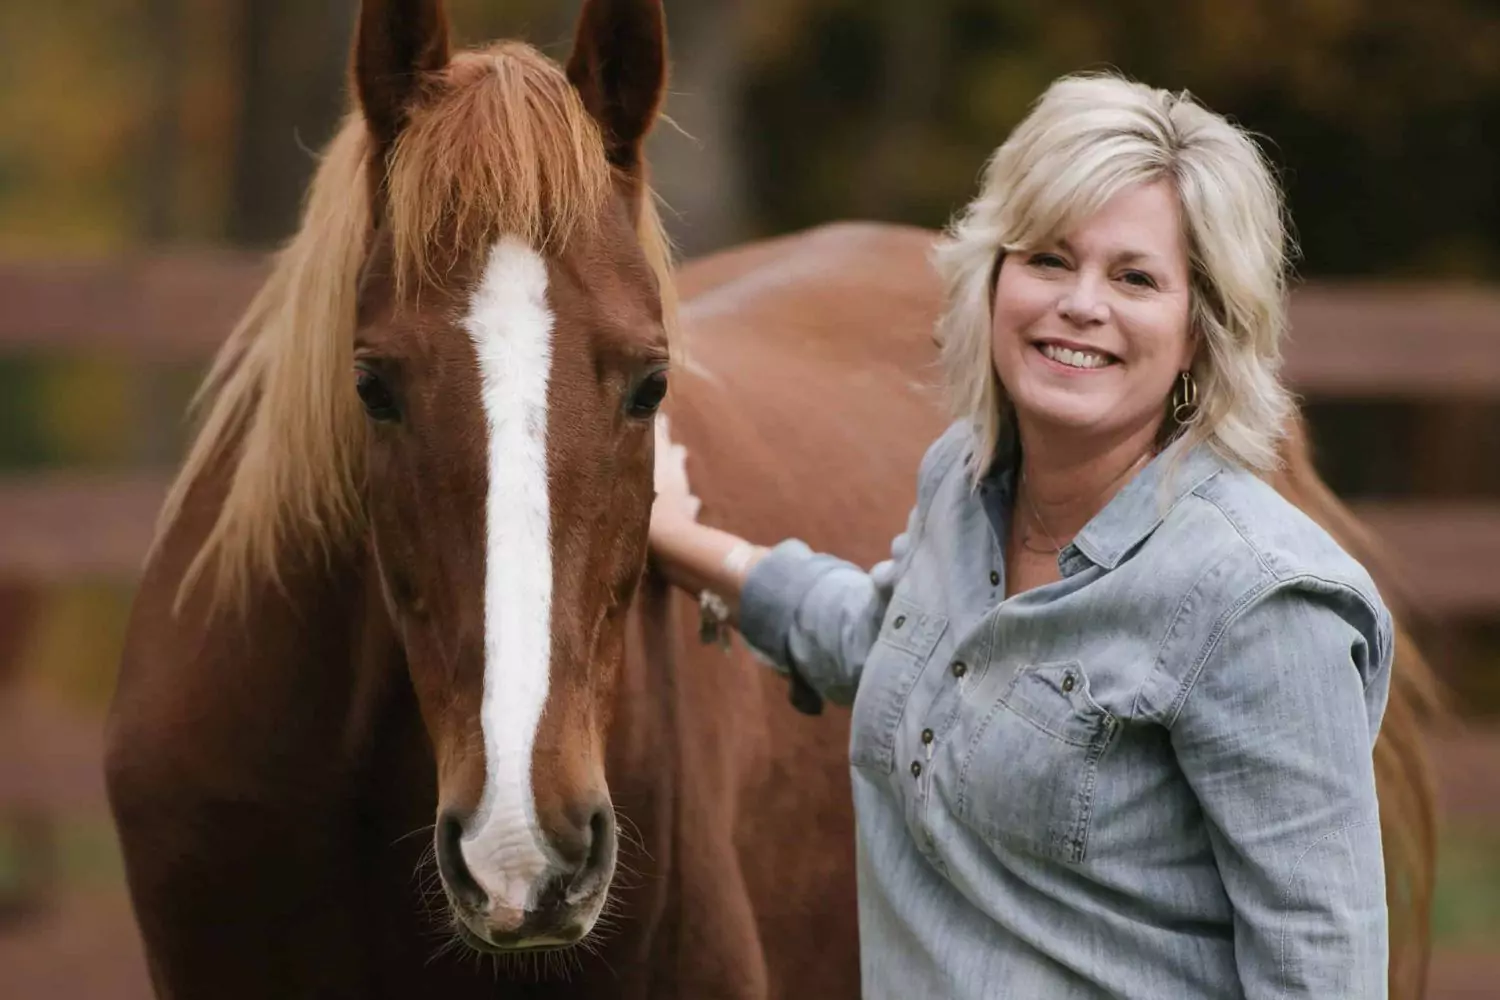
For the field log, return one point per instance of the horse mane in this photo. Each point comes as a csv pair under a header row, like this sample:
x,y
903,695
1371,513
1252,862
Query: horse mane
x,y
504,145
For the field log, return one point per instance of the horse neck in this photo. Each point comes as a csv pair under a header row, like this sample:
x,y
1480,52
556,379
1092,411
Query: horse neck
x,y
340,651
642,725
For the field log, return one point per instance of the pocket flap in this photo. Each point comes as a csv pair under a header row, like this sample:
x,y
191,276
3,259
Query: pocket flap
x,y
1055,697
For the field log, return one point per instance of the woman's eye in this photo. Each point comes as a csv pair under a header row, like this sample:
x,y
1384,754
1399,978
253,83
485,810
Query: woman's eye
x,y
1047,260
1139,279
376,396
648,394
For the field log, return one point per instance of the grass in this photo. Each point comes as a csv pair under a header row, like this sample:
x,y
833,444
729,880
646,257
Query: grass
x,y
1466,909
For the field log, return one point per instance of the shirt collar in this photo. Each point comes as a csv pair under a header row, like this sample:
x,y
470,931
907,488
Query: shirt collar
x,y
1143,503
1131,515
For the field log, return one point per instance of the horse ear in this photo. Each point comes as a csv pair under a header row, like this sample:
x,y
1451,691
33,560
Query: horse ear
x,y
619,66
398,43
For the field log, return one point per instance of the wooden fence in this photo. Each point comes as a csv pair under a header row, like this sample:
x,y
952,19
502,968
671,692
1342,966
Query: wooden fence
x,y
1351,342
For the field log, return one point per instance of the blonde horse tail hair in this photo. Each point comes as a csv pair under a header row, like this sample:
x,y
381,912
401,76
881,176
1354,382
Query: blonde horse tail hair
x,y
1403,773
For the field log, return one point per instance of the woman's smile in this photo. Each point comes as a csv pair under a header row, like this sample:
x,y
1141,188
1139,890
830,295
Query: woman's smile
x,y
1073,359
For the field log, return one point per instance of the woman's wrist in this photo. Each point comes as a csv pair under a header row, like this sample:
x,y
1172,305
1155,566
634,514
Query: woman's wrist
x,y
697,557
670,542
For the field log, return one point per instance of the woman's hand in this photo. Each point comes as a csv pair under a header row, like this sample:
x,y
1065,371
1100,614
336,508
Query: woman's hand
x,y
693,556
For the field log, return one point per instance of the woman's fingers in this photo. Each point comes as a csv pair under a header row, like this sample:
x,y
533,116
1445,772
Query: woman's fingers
x,y
673,490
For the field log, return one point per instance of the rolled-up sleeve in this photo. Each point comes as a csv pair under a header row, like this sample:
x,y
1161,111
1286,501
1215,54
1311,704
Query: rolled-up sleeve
x,y
1275,732
818,615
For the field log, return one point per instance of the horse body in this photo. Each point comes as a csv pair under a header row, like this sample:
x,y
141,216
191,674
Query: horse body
x,y
805,412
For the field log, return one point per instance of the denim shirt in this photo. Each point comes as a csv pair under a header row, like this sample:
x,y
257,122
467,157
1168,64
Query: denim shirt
x,y
1152,778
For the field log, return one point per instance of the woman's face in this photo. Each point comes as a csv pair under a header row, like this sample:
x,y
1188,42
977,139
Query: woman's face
x,y
1089,333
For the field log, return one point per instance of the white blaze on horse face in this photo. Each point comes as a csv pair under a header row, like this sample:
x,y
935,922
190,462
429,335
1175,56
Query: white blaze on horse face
x,y
511,327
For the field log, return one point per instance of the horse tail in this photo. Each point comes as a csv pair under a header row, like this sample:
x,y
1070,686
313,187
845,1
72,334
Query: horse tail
x,y
1403,773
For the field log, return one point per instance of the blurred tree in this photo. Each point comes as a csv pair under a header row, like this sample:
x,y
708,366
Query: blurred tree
x,y
547,24
1376,112
126,120
697,156
292,58
72,92
163,147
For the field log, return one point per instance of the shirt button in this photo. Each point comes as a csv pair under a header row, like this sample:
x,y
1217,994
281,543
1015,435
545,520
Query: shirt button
x,y
994,578
916,769
1068,683
900,620
927,736
959,668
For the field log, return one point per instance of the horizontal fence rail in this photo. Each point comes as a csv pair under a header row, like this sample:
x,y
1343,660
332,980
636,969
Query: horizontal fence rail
x,y
1349,341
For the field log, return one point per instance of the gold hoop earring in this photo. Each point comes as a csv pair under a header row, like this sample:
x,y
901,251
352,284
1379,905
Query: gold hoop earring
x,y
1185,398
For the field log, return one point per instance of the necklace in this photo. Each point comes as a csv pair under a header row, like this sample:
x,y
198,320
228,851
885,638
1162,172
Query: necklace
x,y
1026,535
1037,515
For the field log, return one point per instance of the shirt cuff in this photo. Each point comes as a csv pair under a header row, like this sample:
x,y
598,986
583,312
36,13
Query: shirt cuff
x,y
772,593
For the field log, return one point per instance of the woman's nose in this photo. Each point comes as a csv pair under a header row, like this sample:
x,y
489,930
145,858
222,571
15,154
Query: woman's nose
x,y
1082,303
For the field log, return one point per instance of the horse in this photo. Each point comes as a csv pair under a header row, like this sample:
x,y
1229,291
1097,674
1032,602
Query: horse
x,y
401,708
398,712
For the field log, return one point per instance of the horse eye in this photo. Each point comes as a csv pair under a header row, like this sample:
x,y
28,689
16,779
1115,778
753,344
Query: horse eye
x,y
648,394
375,394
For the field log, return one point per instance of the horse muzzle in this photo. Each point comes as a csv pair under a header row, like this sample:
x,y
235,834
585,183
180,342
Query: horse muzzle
x,y
562,904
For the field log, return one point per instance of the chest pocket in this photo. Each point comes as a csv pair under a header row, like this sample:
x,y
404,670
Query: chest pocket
x,y
905,644
1027,780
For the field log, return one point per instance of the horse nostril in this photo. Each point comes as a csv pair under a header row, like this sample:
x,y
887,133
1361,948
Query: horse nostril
x,y
601,836
451,866
600,854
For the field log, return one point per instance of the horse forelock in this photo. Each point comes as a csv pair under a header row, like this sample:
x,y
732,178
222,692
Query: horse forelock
x,y
502,147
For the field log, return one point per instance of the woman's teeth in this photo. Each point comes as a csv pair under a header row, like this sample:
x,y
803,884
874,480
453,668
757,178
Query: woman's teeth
x,y
1075,359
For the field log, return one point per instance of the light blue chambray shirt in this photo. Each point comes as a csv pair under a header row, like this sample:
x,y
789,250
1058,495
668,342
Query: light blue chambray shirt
x,y
1151,779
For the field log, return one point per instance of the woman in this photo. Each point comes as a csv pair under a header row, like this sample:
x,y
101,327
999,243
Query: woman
x,y
1114,698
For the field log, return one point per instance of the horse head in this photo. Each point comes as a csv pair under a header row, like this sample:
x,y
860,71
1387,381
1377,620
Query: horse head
x,y
510,351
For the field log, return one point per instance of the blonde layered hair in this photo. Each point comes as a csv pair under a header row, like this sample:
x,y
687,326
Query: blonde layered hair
x,y
1087,138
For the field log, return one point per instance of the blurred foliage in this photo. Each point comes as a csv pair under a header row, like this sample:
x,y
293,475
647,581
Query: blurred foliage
x,y
87,407
81,411
1377,112
71,100
22,438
